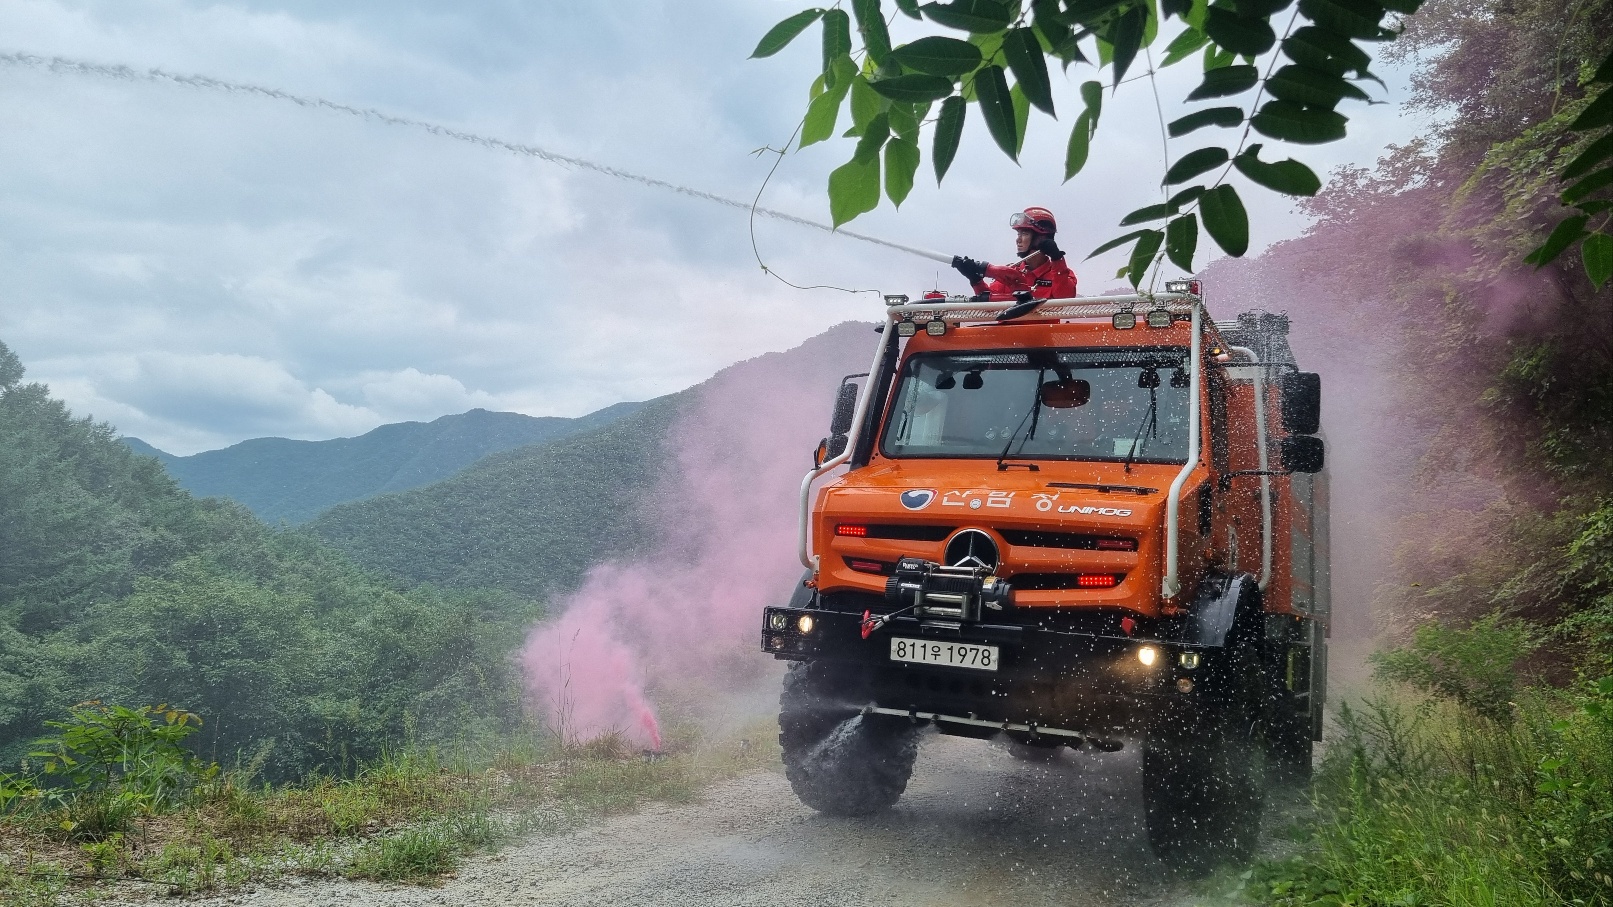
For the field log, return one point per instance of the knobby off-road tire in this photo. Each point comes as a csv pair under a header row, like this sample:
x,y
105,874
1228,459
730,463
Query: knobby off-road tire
x,y
1204,775
838,761
1289,748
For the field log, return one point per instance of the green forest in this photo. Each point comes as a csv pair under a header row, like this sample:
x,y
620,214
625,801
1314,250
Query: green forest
x,y
117,585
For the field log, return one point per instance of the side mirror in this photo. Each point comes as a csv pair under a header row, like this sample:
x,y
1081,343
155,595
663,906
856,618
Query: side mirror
x,y
1302,402
828,449
845,408
1303,453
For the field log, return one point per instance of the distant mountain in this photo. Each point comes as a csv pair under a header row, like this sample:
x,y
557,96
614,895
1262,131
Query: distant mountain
x,y
532,521
294,481
529,520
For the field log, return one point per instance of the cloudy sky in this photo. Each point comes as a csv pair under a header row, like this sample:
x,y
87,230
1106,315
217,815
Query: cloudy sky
x,y
201,266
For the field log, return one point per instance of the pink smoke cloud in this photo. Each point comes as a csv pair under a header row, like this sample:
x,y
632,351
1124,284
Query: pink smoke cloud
x,y
686,615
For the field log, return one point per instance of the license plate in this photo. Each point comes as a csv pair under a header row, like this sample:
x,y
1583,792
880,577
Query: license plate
x,y
950,654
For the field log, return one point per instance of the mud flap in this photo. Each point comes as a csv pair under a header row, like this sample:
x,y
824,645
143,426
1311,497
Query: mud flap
x,y
1215,609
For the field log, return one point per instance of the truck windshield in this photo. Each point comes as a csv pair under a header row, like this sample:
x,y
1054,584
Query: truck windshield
x,y
981,404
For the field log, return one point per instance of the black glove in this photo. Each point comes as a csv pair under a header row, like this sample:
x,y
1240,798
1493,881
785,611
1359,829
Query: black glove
x,y
1051,250
972,271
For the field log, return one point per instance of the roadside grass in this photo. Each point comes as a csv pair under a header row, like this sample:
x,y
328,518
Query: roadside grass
x,y
1423,801
412,816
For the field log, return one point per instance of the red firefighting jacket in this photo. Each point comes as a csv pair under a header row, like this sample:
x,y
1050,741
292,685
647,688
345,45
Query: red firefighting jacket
x,y
1049,280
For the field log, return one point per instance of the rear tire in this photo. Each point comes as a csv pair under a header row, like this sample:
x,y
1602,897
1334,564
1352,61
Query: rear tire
x,y
1289,748
839,761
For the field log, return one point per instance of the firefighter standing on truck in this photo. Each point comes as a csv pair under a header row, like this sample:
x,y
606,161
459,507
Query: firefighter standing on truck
x,y
1040,271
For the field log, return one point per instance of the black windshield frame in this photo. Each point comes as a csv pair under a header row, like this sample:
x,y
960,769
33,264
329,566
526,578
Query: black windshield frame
x,y
1075,361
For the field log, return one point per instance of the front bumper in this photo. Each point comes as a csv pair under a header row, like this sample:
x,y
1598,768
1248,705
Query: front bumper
x,y
1067,685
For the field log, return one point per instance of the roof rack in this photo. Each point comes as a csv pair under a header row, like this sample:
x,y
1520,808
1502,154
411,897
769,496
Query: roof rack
x,y
960,309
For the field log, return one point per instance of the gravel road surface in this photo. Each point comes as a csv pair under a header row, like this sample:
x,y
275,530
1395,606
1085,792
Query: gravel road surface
x,y
977,827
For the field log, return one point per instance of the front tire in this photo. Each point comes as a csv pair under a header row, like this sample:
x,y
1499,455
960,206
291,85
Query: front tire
x,y
1204,774
838,760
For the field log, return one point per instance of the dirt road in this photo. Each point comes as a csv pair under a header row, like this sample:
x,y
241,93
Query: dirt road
x,y
977,827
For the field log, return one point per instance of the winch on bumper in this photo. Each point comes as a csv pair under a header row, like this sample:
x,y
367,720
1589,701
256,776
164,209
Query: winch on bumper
x,y
945,644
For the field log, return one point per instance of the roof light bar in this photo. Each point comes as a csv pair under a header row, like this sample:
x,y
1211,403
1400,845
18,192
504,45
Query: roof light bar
x,y
1124,321
936,328
1159,318
896,299
906,329
1192,287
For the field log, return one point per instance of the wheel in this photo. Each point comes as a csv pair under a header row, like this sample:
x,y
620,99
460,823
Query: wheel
x,y
1289,747
1204,775
839,761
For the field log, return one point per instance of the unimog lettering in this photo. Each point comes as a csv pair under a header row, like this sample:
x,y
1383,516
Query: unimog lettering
x,y
1052,624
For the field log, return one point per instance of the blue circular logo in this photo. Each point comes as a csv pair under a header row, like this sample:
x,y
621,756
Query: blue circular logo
x,y
918,498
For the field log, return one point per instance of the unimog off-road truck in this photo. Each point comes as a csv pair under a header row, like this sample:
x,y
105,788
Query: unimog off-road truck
x,y
1099,523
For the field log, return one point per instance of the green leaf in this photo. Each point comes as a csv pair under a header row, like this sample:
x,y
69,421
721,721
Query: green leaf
x,y
1351,18
1185,45
901,163
1598,255
825,109
1562,236
1195,163
938,56
1116,243
1142,255
1182,241
865,104
853,189
948,129
836,37
1080,147
1149,213
974,16
1587,185
991,90
1182,199
910,7
1127,38
780,35
1225,81
873,138
1225,219
1215,116
1313,87
1599,114
914,88
1290,177
1598,151
1250,37
1301,125
904,121
1022,116
1029,66
1092,96
1216,58
871,25
1321,49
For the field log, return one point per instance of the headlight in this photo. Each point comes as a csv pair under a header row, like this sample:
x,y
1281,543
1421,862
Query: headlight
x,y
776,621
805,624
1147,655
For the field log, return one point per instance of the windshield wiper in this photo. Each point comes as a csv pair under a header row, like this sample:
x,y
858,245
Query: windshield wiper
x,y
1150,422
1033,416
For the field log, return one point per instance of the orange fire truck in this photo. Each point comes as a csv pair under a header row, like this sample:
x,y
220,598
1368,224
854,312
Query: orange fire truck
x,y
1093,522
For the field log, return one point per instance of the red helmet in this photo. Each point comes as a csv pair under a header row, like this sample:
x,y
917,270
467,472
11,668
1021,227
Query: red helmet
x,y
1036,220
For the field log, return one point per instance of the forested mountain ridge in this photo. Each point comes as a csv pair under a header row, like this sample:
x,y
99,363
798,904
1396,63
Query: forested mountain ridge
x,y
117,584
280,479
529,520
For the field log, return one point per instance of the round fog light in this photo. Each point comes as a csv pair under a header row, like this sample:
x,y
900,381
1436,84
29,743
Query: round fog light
x,y
1184,685
805,624
1146,655
776,621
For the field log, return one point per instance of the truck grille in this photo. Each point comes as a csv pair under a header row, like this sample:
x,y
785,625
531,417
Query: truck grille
x,y
1069,540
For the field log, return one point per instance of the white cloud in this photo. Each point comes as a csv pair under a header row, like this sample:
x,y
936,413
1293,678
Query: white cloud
x,y
201,267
